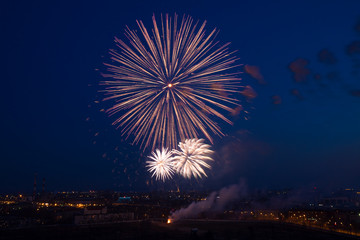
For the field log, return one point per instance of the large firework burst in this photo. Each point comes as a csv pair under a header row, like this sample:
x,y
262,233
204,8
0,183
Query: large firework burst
x,y
169,84
193,157
161,166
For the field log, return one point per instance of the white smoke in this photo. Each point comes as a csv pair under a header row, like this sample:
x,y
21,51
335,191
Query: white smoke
x,y
216,201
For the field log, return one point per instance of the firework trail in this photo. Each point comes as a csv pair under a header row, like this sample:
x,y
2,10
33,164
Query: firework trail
x,y
168,83
160,165
193,157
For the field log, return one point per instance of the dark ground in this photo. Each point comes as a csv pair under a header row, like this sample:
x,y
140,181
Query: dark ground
x,y
179,230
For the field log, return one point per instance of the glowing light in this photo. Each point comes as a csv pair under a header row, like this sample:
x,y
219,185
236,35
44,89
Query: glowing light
x,y
168,221
142,81
193,157
160,165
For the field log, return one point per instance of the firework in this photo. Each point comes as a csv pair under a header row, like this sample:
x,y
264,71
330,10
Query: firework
x,y
193,157
169,83
160,165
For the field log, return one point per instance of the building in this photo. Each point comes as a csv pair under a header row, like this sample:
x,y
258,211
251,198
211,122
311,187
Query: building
x,y
99,215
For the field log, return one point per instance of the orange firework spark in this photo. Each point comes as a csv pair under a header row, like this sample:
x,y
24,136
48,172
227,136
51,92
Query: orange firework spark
x,y
162,82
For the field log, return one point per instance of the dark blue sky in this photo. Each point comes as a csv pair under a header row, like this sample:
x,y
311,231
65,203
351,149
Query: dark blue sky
x,y
298,133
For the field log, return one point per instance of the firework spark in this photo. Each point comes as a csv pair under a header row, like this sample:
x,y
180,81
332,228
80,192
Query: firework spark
x,y
161,166
169,83
193,157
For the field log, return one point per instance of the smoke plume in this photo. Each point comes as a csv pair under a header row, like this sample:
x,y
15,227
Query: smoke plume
x,y
215,202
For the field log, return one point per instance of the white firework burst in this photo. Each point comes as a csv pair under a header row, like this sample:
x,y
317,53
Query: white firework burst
x,y
192,159
160,164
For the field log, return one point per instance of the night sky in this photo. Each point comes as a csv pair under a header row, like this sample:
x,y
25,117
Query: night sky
x,y
303,62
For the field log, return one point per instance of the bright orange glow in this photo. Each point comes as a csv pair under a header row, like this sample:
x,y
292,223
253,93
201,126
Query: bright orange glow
x,y
169,85
169,221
